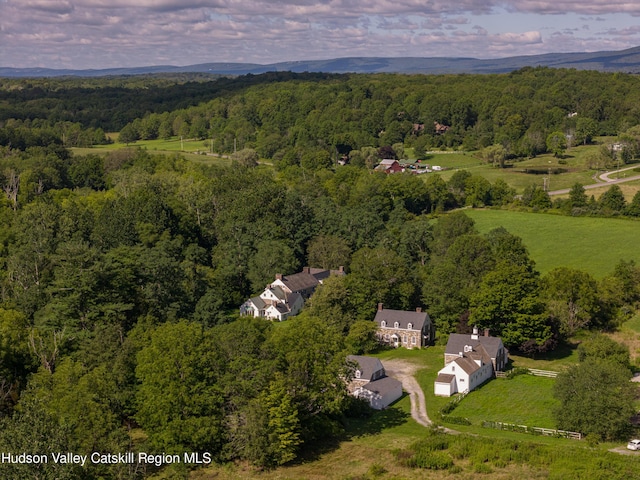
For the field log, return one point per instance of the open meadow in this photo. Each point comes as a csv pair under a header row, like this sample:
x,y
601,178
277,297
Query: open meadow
x,y
592,244
390,444
194,150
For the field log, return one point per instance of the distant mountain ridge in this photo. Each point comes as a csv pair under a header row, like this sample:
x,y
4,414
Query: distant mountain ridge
x,y
609,61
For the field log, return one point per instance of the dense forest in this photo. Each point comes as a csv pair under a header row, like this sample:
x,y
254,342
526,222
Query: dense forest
x,y
122,274
310,119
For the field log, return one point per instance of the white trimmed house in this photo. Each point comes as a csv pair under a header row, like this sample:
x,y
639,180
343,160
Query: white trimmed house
x,y
371,383
286,295
470,360
404,329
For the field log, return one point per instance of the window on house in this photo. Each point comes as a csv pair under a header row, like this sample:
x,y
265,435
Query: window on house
x,y
383,323
404,339
410,326
462,380
386,337
358,373
413,340
396,325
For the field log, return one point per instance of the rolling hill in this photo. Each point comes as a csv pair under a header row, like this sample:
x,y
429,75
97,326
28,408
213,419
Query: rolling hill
x,y
614,61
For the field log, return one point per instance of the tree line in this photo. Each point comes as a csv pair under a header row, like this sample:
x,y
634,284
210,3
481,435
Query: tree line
x,y
122,277
314,122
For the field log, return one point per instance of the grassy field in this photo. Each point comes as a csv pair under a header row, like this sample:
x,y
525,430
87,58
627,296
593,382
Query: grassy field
x,y
194,150
574,162
375,447
523,400
586,243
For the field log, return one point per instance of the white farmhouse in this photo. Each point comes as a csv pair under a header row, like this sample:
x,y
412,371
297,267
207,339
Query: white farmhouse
x,y
285,296
470,360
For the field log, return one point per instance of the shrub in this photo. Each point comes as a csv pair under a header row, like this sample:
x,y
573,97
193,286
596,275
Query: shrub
x,y
456,420
376,470
482,468
514,372
431,461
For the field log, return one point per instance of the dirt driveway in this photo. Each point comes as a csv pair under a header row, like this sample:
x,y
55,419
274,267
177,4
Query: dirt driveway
x,y
404,372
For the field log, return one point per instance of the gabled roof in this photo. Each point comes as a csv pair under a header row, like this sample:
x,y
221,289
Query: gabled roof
x,y
383,385
479,353
467,364
300,281
458,341
445,378
258,302
367,365
293,298
416,319
278,292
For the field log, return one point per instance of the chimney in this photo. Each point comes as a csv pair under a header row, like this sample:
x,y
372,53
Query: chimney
x,y
341,269
486,332
379,307
474,335
278,276
419,309
306,269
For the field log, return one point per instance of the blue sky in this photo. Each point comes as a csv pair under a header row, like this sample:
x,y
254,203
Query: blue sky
x,y
126,33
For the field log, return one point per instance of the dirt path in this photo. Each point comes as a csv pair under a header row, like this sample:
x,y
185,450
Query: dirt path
x,y
403,371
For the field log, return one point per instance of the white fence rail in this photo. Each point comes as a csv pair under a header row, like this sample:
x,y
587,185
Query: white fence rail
x,y
543,373
550,432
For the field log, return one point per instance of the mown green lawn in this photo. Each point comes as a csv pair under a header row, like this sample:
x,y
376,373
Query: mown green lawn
x,y
522,400
591,244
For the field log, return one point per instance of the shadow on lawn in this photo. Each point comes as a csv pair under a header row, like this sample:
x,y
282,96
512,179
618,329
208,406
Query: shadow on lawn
x,y
376,422
562,352
364,422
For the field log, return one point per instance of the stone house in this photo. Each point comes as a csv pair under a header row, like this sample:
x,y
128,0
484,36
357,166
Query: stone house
x,y
371,383
404,329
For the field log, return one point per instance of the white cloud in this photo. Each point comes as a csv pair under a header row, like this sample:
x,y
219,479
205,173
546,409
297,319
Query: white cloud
x,y
104,33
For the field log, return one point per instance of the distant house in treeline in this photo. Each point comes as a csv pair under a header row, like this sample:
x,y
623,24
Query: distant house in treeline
x,y
440,129
389,166
285,296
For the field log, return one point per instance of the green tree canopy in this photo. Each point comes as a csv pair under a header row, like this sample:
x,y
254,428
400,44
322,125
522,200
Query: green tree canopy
x,y
596,398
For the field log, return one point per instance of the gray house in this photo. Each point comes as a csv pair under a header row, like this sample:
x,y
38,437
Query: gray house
x,y
371,383
404,329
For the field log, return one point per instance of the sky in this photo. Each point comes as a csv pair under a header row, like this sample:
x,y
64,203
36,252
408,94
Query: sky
x,y
83,34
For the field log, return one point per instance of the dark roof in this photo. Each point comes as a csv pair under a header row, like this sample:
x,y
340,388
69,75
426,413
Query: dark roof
x,y
367,365
445,378
293,298
300,281
258,302
457,342
417,319
467,364
320,273
383,386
